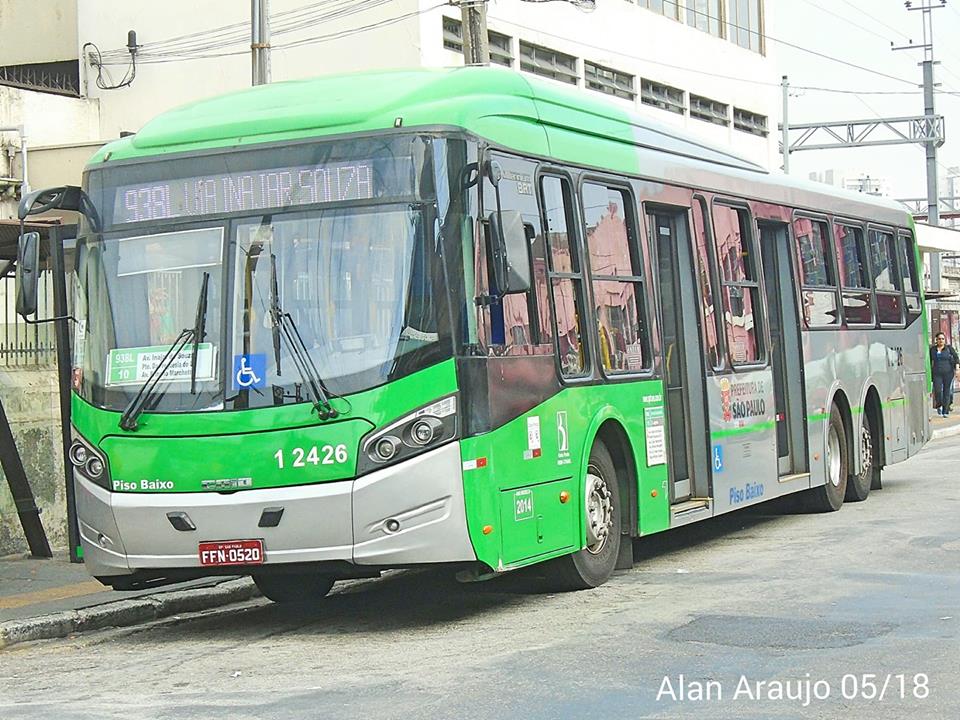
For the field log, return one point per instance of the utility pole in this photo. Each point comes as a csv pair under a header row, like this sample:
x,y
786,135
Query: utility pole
x,y
933,191
476,45
260,41
786,125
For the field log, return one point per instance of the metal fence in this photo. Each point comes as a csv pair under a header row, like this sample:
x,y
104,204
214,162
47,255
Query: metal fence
x,y
23,344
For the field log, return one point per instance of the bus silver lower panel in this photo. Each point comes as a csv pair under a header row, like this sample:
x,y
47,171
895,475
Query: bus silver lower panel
x,y
406,514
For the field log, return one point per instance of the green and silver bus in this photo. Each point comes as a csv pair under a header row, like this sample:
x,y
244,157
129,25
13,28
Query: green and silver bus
x,y
331,327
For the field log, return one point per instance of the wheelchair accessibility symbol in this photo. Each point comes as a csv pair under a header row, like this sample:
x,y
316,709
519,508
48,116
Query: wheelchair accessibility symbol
x,y
718,458
249,371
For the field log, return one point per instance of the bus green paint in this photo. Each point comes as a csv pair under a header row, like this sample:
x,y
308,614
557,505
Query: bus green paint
x,y
507,470
188,448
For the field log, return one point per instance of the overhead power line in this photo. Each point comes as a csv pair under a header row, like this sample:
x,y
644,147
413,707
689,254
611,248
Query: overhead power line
x,y
875,19
208,43
220,40
845,19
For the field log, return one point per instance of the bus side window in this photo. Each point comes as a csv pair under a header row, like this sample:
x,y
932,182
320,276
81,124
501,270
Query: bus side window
x,y
739,286
908,273
817,279
854,274
565,273
886,278
617,276
710,315
515,319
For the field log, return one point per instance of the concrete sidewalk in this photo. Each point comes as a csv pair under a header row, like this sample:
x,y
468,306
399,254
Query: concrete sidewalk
x,y
43,599
945,427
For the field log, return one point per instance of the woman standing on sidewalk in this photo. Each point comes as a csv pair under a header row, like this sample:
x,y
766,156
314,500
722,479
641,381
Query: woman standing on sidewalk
x,y
943,363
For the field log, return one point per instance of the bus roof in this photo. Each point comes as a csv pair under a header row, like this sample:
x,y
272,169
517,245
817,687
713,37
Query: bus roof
x,y
508,108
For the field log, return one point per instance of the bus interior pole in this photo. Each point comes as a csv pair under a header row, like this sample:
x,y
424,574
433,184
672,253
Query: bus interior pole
x,y
58,235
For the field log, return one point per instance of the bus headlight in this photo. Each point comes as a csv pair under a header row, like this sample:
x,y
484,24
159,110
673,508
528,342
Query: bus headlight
x,y
422,429
386,447
425,429
87,461
94,468
78,454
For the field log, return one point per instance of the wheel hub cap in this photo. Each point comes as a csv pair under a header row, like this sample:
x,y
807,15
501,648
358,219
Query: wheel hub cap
x,y
599,508
833,457
866,452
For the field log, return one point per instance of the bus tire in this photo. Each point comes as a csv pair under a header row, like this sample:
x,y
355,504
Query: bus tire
x,y
860,484
829,496
293,587
592,565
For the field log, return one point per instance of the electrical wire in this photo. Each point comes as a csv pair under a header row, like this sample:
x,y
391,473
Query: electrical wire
x,y
876,20
128,76
172,50
846,20
205,44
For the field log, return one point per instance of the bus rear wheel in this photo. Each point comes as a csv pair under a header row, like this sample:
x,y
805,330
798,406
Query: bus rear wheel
x,y
829,496
860,484
593,565
294,588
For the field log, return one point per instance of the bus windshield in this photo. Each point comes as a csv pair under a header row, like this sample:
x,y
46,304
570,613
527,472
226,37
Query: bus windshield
x,y
344,247
357,284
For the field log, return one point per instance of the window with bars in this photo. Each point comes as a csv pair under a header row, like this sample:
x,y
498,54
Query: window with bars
x,y
452,34
548,63
750,122
662,96
609,81
710,110
501,46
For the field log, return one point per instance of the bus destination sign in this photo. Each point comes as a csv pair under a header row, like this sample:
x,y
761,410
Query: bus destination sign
x,y
257,190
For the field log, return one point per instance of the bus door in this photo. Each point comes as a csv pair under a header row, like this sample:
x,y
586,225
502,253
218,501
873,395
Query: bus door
x,y
682,357
786,353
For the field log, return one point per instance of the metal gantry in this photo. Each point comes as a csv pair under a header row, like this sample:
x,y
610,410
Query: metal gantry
x,y
917,129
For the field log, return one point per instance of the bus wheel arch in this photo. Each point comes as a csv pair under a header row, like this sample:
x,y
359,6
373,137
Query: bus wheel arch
x,y
829,497
614,437
607,496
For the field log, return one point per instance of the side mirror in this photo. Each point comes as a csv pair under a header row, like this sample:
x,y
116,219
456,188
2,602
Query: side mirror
x,y
28,273
511,251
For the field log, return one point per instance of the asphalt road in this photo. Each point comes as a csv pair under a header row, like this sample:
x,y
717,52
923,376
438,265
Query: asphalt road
x,y
812,602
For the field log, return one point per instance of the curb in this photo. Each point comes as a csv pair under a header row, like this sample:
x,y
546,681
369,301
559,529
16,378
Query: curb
x,y
945,432
124,613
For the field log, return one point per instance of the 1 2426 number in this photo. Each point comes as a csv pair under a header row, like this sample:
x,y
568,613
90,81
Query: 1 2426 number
x,y
324,455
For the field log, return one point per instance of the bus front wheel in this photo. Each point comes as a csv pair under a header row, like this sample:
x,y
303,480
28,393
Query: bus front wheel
x,y
593,565
294,588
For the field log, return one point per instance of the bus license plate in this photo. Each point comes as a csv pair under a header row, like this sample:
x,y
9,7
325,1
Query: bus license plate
x,y
231,552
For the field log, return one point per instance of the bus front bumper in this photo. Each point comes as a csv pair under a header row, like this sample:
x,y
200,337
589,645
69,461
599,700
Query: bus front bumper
x,y
410,513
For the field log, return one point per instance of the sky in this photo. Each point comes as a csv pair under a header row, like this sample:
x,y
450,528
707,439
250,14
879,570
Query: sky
x,y
860,32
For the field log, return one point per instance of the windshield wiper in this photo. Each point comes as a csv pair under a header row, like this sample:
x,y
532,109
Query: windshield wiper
x,y
275,303
284,324
199,332
128,421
